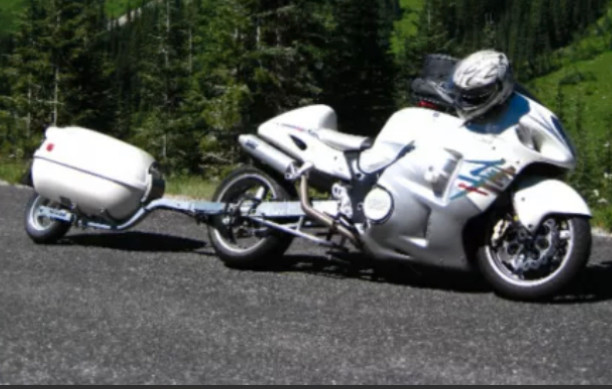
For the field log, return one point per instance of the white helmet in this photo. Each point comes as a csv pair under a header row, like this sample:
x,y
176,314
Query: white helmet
x,y
480,82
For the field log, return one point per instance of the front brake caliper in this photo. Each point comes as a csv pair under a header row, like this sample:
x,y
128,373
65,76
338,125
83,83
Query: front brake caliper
x,y
499,231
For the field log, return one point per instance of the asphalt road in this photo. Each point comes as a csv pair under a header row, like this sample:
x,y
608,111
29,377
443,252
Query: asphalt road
x,y
155,306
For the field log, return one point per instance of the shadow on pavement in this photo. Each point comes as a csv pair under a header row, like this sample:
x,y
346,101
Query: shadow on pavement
x,y
594,284
135,241
386,272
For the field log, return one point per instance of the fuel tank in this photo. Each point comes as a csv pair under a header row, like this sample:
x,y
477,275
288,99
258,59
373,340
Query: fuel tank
x,y
95,174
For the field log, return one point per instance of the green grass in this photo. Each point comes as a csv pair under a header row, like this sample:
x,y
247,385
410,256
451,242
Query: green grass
x,y
584,77
12,171
602,218
588,82
190,187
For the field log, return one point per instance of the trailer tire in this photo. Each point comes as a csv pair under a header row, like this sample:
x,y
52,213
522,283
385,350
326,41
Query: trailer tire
x,y
225,231
40,229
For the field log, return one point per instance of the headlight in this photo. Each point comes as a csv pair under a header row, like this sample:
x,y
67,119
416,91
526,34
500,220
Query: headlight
x,y
378,205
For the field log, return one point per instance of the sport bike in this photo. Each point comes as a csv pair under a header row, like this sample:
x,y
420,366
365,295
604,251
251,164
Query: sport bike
x,y
430,189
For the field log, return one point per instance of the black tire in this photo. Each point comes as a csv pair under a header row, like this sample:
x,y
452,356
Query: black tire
x,y
565,239
270,244
40,229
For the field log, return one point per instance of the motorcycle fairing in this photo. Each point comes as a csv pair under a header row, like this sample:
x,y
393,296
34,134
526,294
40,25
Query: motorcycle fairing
x,y
455,172
297,133
401,129
537,198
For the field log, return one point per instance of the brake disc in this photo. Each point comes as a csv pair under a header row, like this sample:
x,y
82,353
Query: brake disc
x,y
537,250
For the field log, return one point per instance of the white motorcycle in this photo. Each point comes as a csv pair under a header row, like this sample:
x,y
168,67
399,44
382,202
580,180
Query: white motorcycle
x,y
432,189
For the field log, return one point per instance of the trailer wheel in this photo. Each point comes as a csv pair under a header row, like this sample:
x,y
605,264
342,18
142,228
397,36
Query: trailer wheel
x,y
39,228
239,242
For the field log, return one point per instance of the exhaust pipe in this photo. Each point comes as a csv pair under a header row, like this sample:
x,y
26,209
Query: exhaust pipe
x,y
264,152
323,218
283,163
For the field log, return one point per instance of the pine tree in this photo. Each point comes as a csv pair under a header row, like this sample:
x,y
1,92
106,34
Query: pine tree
x,y
27,110
58,66
83,65
286,45
154,74
360,72
218,98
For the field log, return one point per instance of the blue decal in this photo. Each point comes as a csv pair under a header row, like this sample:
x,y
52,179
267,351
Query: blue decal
x,y
489,177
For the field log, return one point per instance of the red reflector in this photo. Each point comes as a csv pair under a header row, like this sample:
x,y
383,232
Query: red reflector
x,y
427,104
50,147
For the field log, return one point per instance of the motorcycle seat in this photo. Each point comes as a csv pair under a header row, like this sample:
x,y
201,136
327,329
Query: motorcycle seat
x,y
344,142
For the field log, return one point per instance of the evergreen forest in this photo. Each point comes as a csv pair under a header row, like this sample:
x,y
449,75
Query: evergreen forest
x,y
181,78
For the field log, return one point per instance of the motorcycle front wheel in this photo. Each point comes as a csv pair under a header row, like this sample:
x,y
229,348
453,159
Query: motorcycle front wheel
x,y
238,241
534,266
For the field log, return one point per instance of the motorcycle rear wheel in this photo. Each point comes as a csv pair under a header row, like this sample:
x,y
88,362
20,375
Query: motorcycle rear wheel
x,y
239,242
525,266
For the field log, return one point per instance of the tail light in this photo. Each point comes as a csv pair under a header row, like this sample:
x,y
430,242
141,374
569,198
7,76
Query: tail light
x,y
428,105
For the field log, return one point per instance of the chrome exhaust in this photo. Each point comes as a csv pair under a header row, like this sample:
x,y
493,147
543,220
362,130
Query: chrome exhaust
x,y
264,152
284,164
321,217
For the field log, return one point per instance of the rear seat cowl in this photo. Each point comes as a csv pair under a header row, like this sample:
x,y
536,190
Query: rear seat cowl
x,y
344,142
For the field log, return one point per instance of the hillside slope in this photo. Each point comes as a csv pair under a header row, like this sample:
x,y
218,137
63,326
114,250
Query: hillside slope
x,y
580,92
584,83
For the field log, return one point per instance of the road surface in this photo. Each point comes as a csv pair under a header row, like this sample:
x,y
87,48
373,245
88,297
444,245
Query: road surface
x,y
155,306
